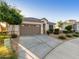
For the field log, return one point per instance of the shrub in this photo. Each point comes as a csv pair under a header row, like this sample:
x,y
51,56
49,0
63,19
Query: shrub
x,y
77,32
2,37
51,30
56,31
76,35
67,35
65,32
62,37
68,28
13,35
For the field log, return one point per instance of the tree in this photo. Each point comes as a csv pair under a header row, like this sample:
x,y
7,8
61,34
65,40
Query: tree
x,y
10,14
60,23
69,28
4,11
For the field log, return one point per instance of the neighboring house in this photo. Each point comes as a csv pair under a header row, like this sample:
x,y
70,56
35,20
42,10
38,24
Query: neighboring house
x,y
34,26
76,26
74,23
69,22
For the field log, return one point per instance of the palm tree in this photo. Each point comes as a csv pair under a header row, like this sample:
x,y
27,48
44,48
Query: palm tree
x,y
60,24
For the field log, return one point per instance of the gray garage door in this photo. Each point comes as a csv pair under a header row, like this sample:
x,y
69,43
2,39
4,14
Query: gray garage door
x,y
30,29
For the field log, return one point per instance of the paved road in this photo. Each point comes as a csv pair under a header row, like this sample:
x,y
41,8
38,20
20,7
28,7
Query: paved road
x,y
67,50
39,45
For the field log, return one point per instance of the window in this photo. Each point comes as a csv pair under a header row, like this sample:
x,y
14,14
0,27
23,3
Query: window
x,y
50,26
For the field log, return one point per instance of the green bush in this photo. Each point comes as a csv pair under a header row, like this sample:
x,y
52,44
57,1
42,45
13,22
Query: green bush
x,y
2,37
51,30
68,35
68,28
77,32
62,37
76,35
56,31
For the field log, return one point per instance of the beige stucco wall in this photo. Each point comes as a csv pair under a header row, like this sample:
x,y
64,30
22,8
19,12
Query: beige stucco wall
x,y
46,24
42,28
77,27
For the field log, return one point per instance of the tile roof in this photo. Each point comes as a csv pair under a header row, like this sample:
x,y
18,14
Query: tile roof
x,y
51,23
31,19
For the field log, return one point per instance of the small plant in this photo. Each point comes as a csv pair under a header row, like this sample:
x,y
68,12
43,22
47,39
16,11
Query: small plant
x,y
62,37
56,31
68,35
76,35
13,35
51,30
77,32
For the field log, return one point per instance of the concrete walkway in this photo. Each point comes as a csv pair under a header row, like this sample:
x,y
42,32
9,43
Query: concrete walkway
x,y
39,46
67,50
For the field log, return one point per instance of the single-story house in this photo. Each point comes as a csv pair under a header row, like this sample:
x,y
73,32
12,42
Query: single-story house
x,y
74,23
69,22
34,26
76,26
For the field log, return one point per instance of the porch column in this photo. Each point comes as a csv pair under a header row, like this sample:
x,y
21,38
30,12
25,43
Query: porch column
x,y
46,27
42,28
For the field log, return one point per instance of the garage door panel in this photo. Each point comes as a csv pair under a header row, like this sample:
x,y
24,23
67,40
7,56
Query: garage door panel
x,y
30,29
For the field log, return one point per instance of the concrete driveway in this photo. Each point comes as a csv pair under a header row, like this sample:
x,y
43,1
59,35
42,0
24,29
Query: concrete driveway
x,y
38,47
67,50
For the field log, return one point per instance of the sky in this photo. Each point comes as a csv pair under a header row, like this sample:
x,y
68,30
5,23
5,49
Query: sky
x,y
53,10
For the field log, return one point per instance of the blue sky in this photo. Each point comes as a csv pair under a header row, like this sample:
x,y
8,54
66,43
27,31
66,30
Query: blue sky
x,y
53,10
